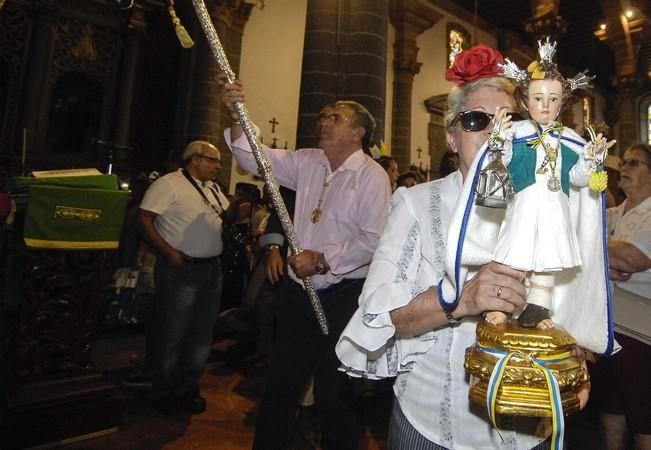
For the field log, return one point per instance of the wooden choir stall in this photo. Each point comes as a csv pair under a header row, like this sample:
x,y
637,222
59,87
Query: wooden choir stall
x,y
56,267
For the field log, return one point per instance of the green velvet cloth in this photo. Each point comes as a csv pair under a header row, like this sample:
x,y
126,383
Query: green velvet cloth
x,y
109,181
74,218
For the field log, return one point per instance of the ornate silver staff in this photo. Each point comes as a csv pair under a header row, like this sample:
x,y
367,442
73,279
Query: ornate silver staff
x,y
264,168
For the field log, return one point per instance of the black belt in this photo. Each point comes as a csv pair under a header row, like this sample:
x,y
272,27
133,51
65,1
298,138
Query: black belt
x,y
343,284
192,260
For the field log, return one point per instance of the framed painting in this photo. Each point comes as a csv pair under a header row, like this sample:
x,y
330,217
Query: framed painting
x,y
457,40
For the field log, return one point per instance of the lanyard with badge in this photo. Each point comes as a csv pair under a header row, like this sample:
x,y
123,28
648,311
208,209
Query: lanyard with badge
x,y
221,210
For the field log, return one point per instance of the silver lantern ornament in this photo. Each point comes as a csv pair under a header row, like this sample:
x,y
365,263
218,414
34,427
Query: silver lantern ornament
x,y
493,188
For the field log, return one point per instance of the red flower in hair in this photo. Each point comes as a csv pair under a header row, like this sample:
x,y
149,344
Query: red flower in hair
x,y
481,61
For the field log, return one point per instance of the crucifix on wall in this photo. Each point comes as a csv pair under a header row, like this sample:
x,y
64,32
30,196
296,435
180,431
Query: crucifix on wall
x,y
423,169
273,123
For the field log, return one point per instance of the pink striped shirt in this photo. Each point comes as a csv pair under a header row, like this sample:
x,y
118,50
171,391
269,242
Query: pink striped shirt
x,y
354,208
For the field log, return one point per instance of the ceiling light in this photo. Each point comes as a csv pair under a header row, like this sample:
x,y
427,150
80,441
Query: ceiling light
x,y
602,26
629,13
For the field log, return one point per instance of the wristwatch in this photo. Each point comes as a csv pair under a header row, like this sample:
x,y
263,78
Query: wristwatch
x,y
451,319
321,267
270,247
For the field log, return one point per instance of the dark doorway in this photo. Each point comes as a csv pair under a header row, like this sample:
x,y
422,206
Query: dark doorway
x,y
74,116
4,90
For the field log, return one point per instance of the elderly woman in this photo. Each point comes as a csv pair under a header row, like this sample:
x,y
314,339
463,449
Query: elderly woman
x,y
622,387
402,326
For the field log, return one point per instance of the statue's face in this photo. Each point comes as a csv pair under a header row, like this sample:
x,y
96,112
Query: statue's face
x,y
545,100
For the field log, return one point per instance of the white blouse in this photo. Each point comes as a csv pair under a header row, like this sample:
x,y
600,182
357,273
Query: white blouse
x,y
431,385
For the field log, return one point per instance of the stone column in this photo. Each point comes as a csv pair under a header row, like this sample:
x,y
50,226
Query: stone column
x,y
436,133
410,18
627,129
128,69
201,114
344,57
34,110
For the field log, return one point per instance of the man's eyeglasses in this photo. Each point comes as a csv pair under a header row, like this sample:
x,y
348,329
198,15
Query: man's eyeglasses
x,y
210,158
632,163
478,120
335,117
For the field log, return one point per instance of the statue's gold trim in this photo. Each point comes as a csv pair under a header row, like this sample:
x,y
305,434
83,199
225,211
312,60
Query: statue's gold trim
x,y
72,212
523,401
511,335
523,390
520,372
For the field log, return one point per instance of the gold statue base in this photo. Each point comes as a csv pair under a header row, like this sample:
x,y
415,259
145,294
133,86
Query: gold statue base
x,y
523,390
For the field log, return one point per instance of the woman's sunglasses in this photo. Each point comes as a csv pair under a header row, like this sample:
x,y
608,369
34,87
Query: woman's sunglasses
x,y
478,120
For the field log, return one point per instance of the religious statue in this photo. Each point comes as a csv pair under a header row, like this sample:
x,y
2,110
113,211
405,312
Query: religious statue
x,y
543,160
553,229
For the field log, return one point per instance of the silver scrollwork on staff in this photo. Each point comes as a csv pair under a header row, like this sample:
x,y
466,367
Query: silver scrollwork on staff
x,y
264,168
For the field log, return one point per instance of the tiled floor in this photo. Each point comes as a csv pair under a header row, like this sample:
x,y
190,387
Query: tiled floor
x,y
232,389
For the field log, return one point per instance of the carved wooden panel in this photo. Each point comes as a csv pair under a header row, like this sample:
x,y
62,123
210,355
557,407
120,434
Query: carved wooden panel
x,y
16,25
53,325
84,47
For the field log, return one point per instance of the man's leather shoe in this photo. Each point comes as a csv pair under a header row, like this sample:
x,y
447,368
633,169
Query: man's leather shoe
x,y
194,405
167,407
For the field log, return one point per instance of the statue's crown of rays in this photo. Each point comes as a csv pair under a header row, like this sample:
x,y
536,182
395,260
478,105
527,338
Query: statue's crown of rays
x,y
581,81
542,68
511,70
547,51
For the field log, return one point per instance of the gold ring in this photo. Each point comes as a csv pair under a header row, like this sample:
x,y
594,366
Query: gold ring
x,y
499,291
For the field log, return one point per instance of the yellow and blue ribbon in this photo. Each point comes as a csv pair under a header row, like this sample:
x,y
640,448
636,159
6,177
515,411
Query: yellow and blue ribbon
x,y
558,423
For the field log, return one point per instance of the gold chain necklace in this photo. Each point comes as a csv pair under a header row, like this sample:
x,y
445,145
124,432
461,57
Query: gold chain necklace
x,y
551,155
316,213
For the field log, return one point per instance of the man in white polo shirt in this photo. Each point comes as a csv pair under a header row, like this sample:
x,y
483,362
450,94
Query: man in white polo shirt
x,y
181,217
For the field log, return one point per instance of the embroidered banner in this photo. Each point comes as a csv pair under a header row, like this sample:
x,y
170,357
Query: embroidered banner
x,y
73,218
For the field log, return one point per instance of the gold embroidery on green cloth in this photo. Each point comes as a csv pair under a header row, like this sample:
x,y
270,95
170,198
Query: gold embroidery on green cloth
x,y
84,214
71,245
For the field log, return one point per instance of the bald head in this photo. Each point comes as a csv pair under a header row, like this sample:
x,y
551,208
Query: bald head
x,y
197,148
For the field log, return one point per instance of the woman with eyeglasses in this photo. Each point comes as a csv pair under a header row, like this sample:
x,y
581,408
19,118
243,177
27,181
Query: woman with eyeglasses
x,y
621,383
402,327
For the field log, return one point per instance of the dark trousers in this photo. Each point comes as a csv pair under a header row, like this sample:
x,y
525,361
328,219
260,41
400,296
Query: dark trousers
x,y
300,351
185,309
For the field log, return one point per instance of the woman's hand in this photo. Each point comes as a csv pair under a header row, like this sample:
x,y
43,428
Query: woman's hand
x,y
495,287
617,275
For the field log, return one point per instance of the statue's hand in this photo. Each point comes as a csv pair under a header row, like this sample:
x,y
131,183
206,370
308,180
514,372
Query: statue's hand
x,y
597,148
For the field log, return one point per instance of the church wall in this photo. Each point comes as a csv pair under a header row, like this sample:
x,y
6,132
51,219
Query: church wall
x,y
271,62
270,67
431,79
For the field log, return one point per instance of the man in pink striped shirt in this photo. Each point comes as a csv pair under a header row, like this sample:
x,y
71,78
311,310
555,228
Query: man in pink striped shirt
x,y
342,202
